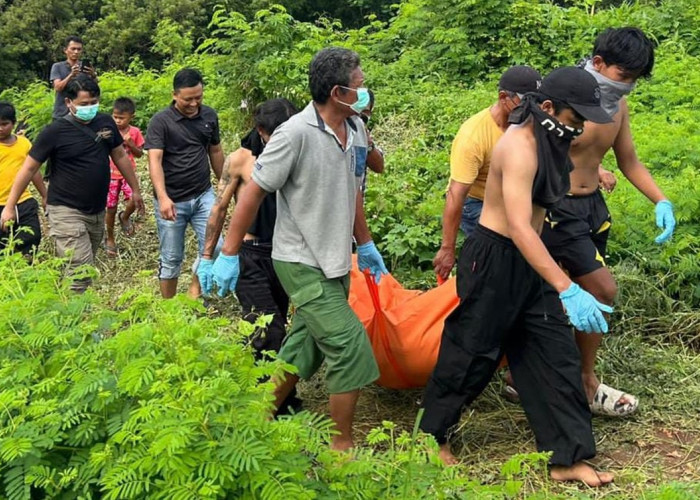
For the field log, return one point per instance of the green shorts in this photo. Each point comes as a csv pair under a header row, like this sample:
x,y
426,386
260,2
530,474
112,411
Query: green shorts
x,y
325,327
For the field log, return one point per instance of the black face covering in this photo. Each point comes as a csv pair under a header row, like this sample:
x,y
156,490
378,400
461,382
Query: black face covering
x,y
553,142
254,142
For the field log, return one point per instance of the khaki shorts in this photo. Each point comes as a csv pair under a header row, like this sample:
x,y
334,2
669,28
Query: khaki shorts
x,y
77,236
325,327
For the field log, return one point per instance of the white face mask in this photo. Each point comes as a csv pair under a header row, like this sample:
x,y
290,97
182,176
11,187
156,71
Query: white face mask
x,y
610,91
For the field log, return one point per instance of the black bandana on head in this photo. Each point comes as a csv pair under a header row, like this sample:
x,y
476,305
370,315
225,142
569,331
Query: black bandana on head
x,y
553,139
254,142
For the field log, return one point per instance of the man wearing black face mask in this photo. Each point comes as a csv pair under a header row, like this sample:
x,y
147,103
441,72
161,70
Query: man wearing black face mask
x,y
508,284
576,229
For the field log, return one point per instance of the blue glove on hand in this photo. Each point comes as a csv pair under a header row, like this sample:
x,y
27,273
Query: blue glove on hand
x,y
665,220
204,274
368,258
584,311
225,272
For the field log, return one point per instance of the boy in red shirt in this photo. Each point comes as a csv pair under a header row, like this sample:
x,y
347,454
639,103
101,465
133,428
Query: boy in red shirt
x,y
122,113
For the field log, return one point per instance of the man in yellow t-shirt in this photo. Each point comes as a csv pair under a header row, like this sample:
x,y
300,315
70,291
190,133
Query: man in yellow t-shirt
x,y
13,150
470,159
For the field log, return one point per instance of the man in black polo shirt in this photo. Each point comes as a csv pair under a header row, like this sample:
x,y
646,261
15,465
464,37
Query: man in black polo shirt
x,y
79,146
182,141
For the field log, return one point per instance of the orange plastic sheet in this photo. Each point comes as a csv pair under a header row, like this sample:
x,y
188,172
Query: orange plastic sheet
x,y
404,326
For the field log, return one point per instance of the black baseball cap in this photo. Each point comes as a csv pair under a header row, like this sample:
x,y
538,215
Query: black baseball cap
x,y
578,89
520,79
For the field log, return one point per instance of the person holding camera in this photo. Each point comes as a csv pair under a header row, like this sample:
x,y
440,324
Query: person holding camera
x,y
64,71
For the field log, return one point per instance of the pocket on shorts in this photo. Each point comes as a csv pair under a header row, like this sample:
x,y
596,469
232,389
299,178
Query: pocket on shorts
x,y
306,294
64,230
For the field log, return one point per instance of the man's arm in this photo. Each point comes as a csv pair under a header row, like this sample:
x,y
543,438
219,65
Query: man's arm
x,y
26,173
59,85
518,173
360,230
216,158
368,257
123,164
155,170
444,260
375,157
629,164
38,182
249,200
224,193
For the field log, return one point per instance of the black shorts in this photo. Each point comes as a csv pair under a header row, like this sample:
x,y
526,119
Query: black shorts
x,y
26,230
576,233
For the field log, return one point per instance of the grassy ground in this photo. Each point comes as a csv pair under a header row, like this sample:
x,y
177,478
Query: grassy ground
x,y
652,353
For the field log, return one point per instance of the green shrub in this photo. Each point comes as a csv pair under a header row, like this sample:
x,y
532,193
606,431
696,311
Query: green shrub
x,y
157,400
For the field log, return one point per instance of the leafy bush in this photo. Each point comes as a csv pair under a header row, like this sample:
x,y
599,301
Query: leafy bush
x,y
156,400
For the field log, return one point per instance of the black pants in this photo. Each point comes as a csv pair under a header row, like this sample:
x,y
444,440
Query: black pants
x,y
260,292
26,230
506,307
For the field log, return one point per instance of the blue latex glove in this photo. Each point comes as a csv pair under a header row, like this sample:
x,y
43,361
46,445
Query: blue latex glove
x,y
584,311
204,274
225,273
665,220
368,257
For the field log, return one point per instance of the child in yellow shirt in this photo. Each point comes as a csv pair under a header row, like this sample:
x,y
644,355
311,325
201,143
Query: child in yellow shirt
x,y
26,231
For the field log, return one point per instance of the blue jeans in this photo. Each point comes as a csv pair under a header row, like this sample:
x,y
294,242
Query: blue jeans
x,y
471,211
171,233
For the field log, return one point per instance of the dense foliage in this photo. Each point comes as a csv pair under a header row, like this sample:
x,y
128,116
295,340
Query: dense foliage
x,y
156,399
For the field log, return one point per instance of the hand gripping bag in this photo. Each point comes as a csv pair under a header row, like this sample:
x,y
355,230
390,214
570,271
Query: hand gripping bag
x,y
404,326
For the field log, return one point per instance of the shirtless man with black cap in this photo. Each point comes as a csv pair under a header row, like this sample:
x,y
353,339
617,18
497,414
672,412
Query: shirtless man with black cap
x,y
513,294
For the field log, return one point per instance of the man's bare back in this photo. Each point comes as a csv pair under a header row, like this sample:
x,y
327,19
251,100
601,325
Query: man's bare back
x,y
238,167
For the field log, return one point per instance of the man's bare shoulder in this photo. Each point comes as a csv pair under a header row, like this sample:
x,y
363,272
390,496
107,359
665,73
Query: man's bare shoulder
x,y
516,146
240,163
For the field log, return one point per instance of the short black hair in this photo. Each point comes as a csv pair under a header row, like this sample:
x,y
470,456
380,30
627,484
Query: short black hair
x,y
628,48
7,112
72,38
330,67
272,113
80,83
186,78
124,105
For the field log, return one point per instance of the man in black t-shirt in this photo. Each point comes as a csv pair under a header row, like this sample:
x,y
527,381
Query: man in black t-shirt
x,y
182,141
79,146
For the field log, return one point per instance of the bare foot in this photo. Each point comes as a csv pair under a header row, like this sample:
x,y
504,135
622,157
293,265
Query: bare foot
x,y
446,455
581,472
339,444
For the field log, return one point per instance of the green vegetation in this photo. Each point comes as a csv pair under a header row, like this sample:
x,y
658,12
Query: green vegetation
x,y
85,377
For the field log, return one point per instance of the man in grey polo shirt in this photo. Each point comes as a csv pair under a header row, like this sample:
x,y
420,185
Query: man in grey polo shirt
x,y
315,162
